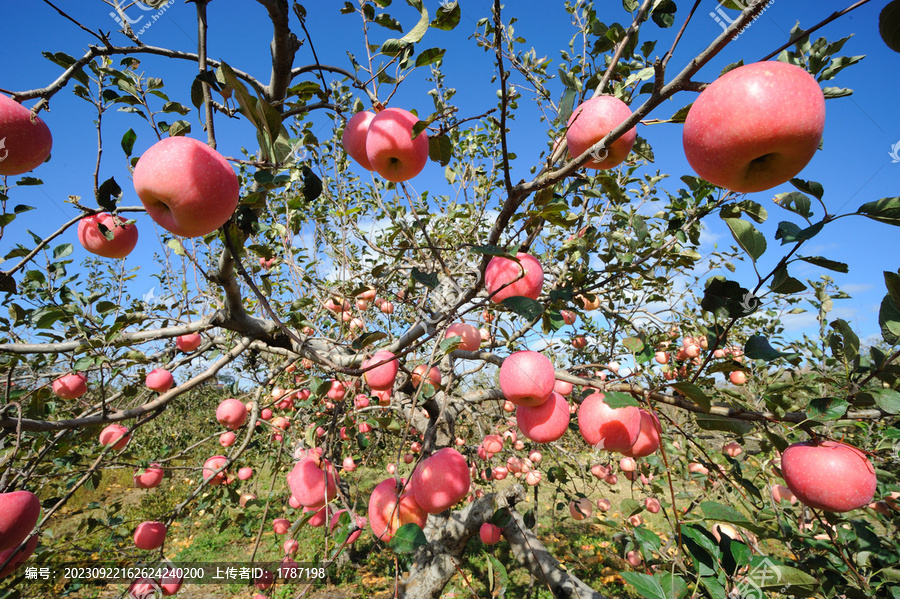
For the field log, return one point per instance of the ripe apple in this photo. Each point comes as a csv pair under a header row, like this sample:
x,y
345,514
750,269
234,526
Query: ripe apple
x,y
227,439
114,435
19,511
490,534
337,390
188,343
600,471
697,468
781,493
281,525
471,338
357,520
383,376
231,413
755,127
210,466
441,480
390,148
388,511
634,558
151,477
248,497
505,278
419,374
527,378
159,380
533,478
354,137
627,464
652,505
613,429
581,508
829,476
648,439
604,505
24,144
737,377
187,187
492,443
568,316
732,449
562,387
124,239
291,547
170,582
579,342
20,557
149,535
591,122
70,386
313,481
544,423
245,473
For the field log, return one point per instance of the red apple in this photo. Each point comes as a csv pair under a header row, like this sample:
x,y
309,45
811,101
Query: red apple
x,y
648,439
19,511
490,534
114,435
381,377
390,148
505,278
781,493
337,390
755,127
652,504
354,137
568,316
470,337
544,423
579,342
492,443
70,386
562,387
149,535
245,473
210,466
231,413
527,378
170,583
591,122
603,505
613,429
581,508
419,374
827,475
151,477
737,377
441,480
313,481
187,187
124,239
159,380
24,145
533,477
732,449
388,511
188,343
281,525
634,557
359,521
227,439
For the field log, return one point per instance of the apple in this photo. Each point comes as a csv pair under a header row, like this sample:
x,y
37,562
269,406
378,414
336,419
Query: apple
x,y
25,143
125,236
527,378
227,439
505,278
231,413
213,464
697,468
470,337
188,343
381,376
150,478
661,357
291,547
142,587
636,520
264,581
652,505
737,377
492,443
562,387
613,429
187,187
337,390
19,512
533,478
245,498
159,380
568,316
388,511
245,473
313,481
386,307
170,582
781,493
579,342
354,137
732,449
591,122
600,471
149,535
603,505
755,127
115,435
648,439
627,464
348,464
70,386
441,480
581,508
634,557
281,525
359,522
419,374
828,475
490,534
390,148
545,423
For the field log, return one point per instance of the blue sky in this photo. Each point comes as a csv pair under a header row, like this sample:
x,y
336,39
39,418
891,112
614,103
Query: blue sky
x,y
855,165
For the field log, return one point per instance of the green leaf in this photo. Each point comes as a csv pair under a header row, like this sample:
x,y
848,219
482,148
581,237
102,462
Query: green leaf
x,y
826,263
500,579
525,307
728,299
747,236
393,47
891,280
108,194
429,56
811,187
795,202
850,345
885,210
367,339
748,207
645,585
633,344
616,399
440,149
664,13
889,319
783,283
128,142
428,279
726,513
62,250
886,399
826,408
388,22
447,16
711,422
788,232
694,393
176,246
758,348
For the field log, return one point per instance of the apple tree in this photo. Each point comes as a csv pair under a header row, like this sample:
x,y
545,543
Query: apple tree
x,y
503,334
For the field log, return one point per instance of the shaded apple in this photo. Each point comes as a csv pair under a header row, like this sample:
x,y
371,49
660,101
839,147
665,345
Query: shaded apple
x,y
124,236
27,144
